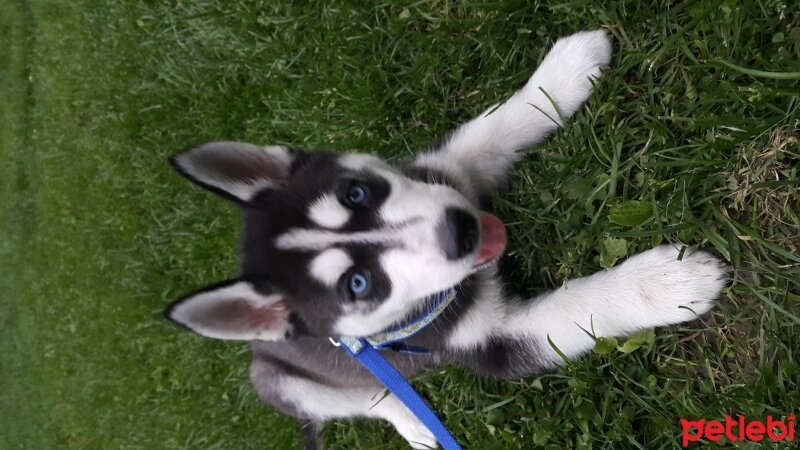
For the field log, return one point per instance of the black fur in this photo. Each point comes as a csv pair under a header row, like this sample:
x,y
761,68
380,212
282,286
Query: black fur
x,y
458,233
430,176
503,357
311,435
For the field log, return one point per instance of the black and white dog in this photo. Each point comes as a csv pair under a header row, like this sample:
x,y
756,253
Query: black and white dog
x,y
348,245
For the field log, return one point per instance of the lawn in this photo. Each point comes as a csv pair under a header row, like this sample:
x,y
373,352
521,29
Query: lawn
x,y
695,128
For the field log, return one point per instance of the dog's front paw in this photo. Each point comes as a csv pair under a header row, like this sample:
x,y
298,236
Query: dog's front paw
x,y
671,290
568,71
583,54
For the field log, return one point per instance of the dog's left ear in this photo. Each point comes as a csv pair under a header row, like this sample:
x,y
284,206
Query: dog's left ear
x,y
235,170
233,310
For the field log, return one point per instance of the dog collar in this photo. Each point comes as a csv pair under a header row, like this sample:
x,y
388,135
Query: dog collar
x,y
393,337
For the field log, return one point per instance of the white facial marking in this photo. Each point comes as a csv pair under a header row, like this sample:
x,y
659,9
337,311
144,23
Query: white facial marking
x,y
299,238
329,265
360,161
327,212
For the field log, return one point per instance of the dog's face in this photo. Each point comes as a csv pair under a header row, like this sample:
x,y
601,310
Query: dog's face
x,y
336,244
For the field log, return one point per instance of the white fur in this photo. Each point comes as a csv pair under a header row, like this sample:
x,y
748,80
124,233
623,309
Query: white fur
x,y
486,146
327,212
418,201
361,161
329,265
325,403
484,317
650,289
305,239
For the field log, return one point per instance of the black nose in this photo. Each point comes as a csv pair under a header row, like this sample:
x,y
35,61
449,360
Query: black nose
x,y
458,233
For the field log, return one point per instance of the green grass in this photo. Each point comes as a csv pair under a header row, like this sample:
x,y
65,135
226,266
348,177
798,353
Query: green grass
x,y
698,119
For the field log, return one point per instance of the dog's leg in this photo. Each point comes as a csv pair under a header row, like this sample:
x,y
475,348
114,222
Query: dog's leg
x,y
311,434
651,289
317,402
484,148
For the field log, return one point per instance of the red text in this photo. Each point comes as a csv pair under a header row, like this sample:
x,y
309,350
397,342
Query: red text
x,y
738,429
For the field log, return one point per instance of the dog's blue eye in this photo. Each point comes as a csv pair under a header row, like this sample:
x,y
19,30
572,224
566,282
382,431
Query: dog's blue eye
x,y
356,195
358,284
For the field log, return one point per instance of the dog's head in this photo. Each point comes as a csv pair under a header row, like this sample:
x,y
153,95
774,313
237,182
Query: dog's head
x,y
333,244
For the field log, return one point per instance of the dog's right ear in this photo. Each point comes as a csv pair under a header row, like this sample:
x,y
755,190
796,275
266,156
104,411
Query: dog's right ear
x,y
235,170
234,310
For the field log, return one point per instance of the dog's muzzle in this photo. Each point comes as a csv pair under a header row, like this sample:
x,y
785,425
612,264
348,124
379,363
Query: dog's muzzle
x,y
461,235
458,233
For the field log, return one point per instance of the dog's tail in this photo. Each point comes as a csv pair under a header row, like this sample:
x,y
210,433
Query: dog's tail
x,y
311,435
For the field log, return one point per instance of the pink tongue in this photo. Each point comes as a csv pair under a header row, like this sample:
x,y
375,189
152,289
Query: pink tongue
x,y
493,238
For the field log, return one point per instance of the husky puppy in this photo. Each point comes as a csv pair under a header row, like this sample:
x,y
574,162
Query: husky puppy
x,y
349,245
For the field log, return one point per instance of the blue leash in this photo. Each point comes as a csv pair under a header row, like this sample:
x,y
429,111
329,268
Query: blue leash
x,y
395,382
364,350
